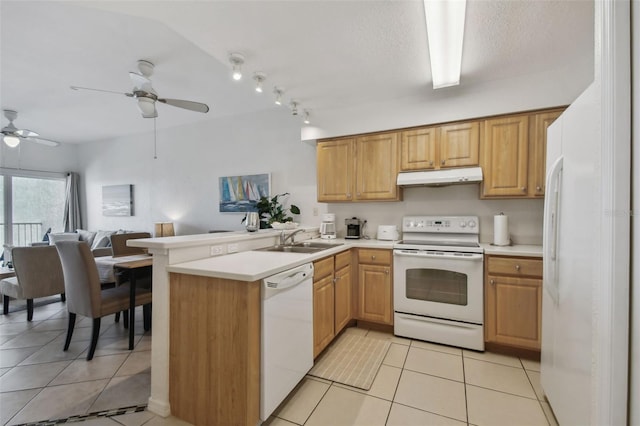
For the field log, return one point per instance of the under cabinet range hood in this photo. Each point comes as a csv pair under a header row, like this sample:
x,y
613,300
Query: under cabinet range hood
x,y
441,177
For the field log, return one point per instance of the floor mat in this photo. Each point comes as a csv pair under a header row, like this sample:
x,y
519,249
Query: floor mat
x,y
352,359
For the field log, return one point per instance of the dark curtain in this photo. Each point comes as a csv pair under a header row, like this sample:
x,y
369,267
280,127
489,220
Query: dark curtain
x,y
72,216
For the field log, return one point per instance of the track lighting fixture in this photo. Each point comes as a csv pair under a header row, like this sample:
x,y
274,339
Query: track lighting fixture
x,y
294,107
306,117
278,91
259,77
236,59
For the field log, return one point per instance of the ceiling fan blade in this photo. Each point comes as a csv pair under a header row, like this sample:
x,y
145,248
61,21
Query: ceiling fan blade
x,y
27,133
42,141
190,105
101,90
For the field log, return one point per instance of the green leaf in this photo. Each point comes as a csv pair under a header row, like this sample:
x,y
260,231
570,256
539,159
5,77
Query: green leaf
x,y
295,209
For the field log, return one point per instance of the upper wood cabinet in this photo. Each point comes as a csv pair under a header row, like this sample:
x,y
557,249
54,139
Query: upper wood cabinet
x,y
358,169
514,150
505,155
538,150
336,167
436,147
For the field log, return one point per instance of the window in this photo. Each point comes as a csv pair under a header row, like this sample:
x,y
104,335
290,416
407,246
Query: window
x,y
32,202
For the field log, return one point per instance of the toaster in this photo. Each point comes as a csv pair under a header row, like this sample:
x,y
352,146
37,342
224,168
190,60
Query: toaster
x,y
387,232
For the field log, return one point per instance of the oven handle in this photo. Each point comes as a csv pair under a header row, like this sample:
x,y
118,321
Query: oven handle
x,y
439,255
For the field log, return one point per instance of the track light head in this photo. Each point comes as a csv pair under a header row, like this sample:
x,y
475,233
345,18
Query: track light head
x,y
306,117
278,91
236,59
259,78
294,107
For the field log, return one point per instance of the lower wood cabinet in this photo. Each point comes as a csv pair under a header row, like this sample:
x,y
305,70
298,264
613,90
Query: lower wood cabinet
x,y
331,298
375,291
513,301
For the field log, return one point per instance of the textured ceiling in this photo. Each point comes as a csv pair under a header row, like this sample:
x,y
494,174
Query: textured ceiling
x,y
326,54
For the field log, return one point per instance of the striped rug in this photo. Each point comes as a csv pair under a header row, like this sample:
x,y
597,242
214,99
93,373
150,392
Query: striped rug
x,y
352,360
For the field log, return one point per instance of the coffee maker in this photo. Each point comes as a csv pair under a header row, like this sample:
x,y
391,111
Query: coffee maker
x,y
328,226
354,228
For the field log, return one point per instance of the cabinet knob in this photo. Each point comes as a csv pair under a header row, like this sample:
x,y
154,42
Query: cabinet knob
x,y
442,162
348,195
373,257
336,279
358,194
431,163
517,267
538,188
524,189
386,271
492,282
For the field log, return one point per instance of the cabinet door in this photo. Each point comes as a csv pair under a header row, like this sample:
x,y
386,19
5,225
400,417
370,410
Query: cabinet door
x,y
323,314
513,307
460,145
538,151
342,289
377,167
374,294
418,149
335,164
504,157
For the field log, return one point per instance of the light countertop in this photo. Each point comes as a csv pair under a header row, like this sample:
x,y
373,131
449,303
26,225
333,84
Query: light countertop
x,y
513,250
255,265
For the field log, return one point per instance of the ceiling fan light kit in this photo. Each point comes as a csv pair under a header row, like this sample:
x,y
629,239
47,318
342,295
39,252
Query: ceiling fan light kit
x,y
12,136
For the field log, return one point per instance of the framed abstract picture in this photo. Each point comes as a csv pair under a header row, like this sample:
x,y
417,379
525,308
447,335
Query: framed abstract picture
x,y
241,193
117,200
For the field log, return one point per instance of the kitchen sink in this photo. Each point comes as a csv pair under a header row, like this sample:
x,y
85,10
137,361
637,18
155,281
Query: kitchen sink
x,y
301,247
316,244
292,249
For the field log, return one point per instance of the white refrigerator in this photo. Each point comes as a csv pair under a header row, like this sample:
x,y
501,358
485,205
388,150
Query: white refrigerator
x,y
571,361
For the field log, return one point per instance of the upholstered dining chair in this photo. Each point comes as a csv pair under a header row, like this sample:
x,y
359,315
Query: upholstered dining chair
x,y
38,274
119,243
84,293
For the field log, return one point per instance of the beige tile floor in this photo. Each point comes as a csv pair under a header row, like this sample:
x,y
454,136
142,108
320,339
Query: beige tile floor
x,y
418,384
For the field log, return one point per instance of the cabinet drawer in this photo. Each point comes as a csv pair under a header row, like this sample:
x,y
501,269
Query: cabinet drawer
x,y
374,256
322,268
343,259
515,266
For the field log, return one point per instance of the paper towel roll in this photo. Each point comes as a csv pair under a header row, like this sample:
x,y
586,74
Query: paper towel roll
x,y
501,230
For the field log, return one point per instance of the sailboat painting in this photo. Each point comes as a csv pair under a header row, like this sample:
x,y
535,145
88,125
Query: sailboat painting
x,y
242,193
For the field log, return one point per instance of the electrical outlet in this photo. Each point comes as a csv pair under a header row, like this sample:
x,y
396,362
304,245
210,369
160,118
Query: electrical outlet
x,y
315,211
232,248
216,250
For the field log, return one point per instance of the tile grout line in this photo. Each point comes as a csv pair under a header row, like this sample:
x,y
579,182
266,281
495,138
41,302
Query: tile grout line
x,y
464,379
534,391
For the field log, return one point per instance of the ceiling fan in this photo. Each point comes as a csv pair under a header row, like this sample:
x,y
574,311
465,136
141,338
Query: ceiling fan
x,y
12,136
145,94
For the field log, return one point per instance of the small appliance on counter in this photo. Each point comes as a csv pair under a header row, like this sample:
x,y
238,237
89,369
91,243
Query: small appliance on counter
x,y
388,232
328,226
354,228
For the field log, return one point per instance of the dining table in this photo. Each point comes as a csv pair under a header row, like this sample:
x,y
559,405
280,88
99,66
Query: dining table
x,y
136,265
6,272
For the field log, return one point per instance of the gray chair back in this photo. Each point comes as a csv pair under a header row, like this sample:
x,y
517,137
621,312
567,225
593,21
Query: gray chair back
x,y
38,270
81,280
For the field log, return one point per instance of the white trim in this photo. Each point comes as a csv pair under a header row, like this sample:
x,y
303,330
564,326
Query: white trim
x,y
7,171
611,294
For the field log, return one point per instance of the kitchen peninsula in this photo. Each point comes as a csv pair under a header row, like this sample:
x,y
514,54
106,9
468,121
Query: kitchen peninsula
x,y
185,270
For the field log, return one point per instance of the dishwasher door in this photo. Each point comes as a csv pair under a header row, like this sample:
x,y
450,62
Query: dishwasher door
x,y
287,335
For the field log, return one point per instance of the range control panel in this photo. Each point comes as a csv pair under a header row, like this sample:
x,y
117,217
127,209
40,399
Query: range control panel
x,y
435,224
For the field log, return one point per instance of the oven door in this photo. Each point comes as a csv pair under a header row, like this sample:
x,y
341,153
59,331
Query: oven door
x,y
439,284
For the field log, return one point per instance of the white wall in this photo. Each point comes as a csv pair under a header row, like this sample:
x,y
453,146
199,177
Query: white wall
x,y
181,185
525,216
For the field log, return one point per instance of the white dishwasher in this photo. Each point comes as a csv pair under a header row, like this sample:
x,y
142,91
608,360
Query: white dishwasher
x,y
287,334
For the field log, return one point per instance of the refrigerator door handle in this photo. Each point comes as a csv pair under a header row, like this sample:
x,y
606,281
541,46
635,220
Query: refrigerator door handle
x,y
550,238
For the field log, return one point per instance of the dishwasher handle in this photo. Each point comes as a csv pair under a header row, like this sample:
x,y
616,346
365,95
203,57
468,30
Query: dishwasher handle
x,y
286,282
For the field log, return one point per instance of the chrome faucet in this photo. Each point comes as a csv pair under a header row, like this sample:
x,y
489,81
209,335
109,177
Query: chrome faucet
x,y
284,238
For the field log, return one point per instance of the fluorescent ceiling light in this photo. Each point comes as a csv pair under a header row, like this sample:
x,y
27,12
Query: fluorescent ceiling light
x,y
445,32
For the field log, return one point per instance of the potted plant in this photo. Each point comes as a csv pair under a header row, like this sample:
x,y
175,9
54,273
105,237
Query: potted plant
x,y
272,210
